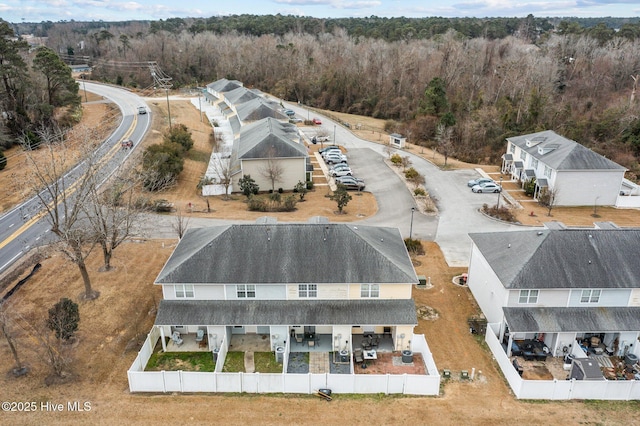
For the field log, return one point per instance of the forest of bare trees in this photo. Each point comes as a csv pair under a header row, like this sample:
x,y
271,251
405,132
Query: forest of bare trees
x,y
579,85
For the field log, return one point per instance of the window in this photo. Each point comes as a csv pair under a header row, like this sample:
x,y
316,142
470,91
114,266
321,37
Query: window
x,y
246,291
528,296
369,290
523,155
547,171
534,163
512,148
307,290
590,296
184,290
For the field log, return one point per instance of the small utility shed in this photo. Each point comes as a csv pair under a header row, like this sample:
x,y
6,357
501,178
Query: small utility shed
x,y
397,140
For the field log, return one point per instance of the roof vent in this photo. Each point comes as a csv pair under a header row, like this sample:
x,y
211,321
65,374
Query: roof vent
x,y
509,246
539,233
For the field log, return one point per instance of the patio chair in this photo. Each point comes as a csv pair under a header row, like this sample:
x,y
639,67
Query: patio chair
x,y
311,343
357,356
366,344
374,342
299,338
199,335
176,338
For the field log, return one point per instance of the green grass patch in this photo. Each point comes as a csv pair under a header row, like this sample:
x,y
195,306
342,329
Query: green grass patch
x,y
199,156
185,361
265,362
234,362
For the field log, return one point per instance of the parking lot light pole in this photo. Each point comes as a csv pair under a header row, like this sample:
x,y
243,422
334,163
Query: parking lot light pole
x,y
499,194
413,209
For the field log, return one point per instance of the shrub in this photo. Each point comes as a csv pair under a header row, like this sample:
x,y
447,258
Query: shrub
x,y
248,186
309,185
181,135
280,190
257,204
530,187
414,246
64,317
275,196
3,160
419,192
289,204
501,213
396,160
300,189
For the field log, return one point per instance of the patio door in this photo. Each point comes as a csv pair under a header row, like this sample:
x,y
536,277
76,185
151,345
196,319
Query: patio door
x,y
263,329
238,329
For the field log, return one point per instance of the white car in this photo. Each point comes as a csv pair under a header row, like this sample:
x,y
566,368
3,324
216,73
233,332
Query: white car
x,y
331,151
142,110
487,187
335,158
343,171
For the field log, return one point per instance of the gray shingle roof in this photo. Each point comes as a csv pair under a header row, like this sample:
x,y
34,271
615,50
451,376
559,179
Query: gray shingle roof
x,y
257,109
289,253
286,312
589,320
567,155
269,137
224,85
563,258
240,95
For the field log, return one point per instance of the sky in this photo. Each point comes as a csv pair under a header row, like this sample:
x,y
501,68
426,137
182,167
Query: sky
x,y
123,10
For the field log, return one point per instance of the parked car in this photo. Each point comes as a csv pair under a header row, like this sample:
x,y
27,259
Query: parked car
x,y
331,151
479,181
289,112
487,187
337,166
327,148
342,171
351,183
295,120
335,158
316,120
142,110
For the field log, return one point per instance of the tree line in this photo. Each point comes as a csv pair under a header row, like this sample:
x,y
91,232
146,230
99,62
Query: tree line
x,y
577,83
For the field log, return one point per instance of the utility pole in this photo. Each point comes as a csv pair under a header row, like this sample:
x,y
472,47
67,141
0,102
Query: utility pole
x,y
163,81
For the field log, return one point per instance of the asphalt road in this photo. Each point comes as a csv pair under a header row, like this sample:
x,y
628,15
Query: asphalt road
x,y
458,208
25,227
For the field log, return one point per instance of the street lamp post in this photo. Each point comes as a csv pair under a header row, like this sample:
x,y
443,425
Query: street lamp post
x,y
499,194
334,135
413,209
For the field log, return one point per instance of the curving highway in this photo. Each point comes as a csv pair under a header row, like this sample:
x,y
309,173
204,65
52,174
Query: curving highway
x,y
26,226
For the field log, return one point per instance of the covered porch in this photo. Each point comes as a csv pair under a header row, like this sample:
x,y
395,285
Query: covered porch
x,y
548,340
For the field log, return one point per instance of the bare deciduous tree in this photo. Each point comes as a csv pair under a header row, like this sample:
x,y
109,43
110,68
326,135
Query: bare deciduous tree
x,y
113,211
547,198
224,173
445,145
19,368
272,170
63,195
181,223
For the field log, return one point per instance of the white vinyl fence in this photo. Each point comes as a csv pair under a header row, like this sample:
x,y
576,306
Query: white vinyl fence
x,y
624,390
192,381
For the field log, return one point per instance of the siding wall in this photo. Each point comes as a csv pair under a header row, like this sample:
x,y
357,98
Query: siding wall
x,y
294,170
486,287
608,297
